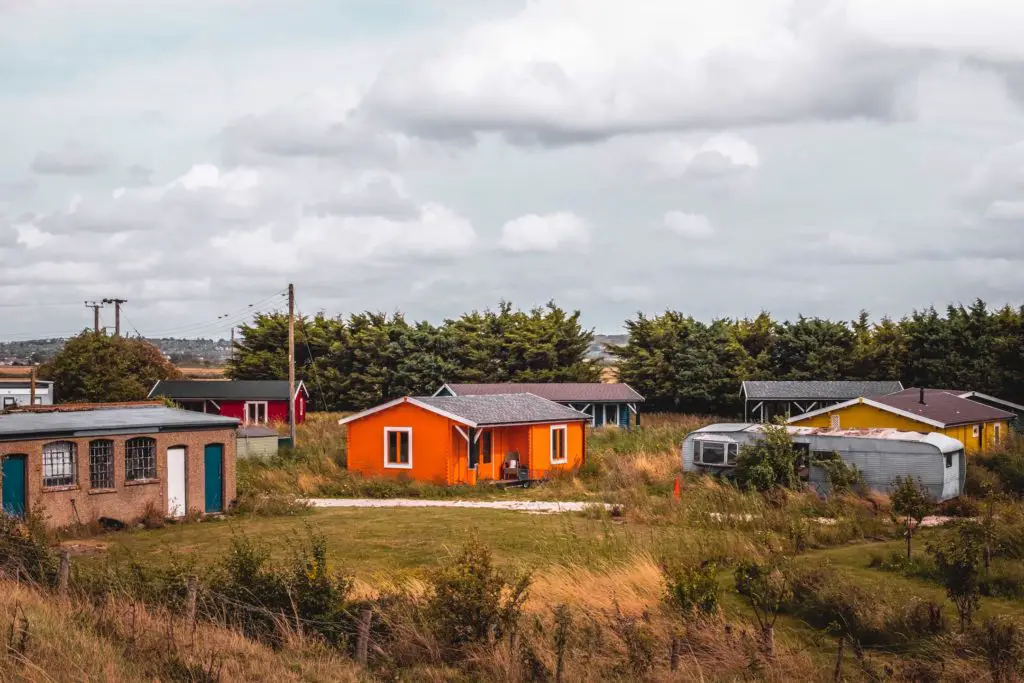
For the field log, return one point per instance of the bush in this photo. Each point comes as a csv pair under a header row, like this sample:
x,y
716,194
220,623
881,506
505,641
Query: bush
x,y
827,598
1007,465
26,551
470,601
1001,642
961,506
841,477
768,462
691,590
959,562
258,595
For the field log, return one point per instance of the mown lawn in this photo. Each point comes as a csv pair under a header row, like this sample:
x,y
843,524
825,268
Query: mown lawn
x,y
389,541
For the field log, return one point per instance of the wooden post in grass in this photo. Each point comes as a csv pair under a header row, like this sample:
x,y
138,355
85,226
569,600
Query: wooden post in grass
x,y
64,575
190,602
363,636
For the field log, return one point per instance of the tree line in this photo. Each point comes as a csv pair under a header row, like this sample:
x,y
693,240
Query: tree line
x,y
682,364
677,362
354,362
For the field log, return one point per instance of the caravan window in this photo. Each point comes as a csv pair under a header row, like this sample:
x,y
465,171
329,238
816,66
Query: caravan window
x,y
734,449
712,452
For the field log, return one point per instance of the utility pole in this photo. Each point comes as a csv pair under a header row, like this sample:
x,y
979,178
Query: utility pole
x,y
117,313
32,388
291,362
95,315
232,345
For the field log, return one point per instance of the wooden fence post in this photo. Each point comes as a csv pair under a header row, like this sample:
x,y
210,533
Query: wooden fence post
x,y
64,576
363,637
190,602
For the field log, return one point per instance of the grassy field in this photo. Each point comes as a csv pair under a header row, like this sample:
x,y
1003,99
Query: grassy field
x,y
597,592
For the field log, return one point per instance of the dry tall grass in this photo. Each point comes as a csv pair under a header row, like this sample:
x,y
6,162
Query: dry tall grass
x,y
51,639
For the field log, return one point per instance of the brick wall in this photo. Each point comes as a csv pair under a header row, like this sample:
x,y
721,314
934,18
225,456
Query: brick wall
x,y
127,501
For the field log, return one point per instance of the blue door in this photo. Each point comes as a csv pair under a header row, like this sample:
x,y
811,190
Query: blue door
x,y
13,494
213,479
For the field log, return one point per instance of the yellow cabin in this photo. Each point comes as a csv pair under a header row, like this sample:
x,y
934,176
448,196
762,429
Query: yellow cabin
x,y
977,426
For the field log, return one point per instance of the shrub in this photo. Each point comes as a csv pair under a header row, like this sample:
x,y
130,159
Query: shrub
x,y
961,506
959,563
691,590
766,587
841,477
1007,465
470,601
911,499
26,552
1001,642
768,462
258,594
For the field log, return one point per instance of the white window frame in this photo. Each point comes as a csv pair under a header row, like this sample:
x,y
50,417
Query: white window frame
x,y
60,459
698,452
565,444
10,401
397,466
266,412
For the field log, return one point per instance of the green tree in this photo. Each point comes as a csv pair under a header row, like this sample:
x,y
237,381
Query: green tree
x,y
813,349
911,499
96,368
768,462
683,365
958,559
767,589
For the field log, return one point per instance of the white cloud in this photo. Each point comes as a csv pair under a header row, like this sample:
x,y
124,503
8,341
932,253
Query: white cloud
x,y
563,71
691,225
546,233
72,159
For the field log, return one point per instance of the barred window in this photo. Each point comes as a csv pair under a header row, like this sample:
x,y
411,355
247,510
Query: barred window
x,y
140,459
59,464
101,464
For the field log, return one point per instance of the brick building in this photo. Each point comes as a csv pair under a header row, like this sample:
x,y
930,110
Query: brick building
x,y
81,464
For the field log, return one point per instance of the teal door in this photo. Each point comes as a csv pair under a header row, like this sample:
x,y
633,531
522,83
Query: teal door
x,y
13,494
213,479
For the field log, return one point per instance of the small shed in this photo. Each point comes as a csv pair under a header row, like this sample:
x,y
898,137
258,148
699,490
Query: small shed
x,y
257,442
763,401
23,392
254,402
880,454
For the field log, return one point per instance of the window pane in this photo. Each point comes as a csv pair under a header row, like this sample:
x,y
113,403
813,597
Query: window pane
x,y
392,447
485,447
59,464
733,452
404,439
101,464
140,459
713,452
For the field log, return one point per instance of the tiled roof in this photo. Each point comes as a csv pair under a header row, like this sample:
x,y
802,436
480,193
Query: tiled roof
x,y
944,407
563,392
498,409
30,424
795,391
223,390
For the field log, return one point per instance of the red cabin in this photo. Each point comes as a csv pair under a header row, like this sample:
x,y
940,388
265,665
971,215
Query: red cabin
x,y
251,401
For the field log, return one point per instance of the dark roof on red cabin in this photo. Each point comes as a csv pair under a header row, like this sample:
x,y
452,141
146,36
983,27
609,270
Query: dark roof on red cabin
x,y
942,406
224,390
562,392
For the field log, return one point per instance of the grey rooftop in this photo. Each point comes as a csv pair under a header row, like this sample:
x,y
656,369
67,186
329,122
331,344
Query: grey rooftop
x,y
829,390
135,419
499,409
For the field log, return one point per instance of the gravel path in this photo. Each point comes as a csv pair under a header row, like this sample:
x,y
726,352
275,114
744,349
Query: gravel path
x,y
535,506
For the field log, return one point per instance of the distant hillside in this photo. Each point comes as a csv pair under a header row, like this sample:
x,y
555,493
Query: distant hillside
x,y
596,349
198,352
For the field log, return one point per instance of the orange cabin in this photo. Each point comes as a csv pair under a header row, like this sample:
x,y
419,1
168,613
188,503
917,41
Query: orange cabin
x,y
466,439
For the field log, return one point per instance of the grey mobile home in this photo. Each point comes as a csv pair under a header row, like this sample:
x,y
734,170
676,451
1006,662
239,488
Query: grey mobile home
x,y
880,454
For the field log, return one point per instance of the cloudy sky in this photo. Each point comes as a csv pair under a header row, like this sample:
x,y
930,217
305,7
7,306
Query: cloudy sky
x,y
435,156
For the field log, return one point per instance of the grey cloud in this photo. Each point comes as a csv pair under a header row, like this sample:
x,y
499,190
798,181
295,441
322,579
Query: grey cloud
x,y
72,159
17,190
137,175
